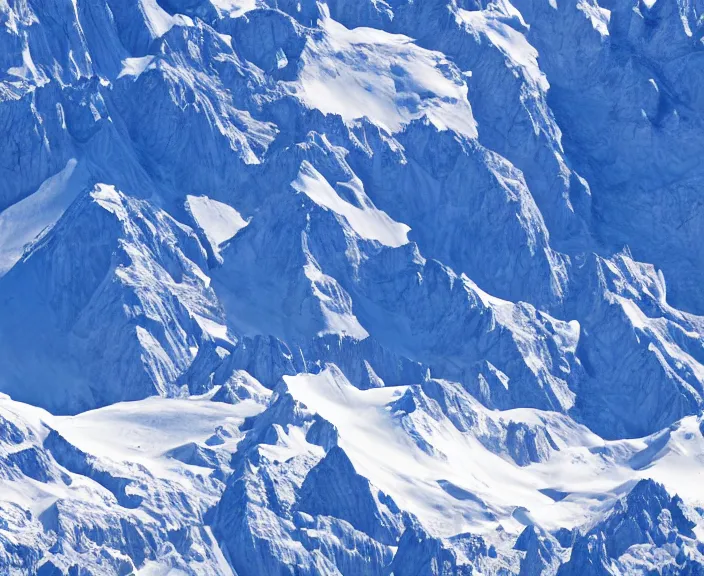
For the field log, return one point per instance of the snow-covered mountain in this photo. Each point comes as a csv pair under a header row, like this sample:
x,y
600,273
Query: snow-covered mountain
x,y
362,287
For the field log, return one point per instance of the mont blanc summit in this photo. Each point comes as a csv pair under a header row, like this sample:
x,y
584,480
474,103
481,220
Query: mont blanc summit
x,y
351,288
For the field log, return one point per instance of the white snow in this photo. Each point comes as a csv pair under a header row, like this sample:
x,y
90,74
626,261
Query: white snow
x,y
123,435
661,330
96,307
385,77
23,222
28,70
335,303
512,43
155,568
135,66
467,487
212,327
234,8
219,221
368,222
281,60
417,481
144,431
159,20
598,16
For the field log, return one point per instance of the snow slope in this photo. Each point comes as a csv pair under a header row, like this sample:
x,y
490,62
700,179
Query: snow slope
x,y
462,485
384,77
23,222
219,222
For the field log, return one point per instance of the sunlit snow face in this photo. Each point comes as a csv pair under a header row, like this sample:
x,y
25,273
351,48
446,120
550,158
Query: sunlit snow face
x,y
385,77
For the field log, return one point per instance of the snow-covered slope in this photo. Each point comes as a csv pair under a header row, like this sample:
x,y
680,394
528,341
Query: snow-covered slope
x,y
351,287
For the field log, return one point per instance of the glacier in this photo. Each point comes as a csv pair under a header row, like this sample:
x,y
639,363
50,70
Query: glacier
x,y
351,287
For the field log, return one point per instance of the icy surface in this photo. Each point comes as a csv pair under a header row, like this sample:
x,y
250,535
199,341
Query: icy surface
x,y
23,223
218,221
384,77
351,287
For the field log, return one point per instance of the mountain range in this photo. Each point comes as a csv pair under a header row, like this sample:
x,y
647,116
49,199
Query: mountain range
x,y
355,287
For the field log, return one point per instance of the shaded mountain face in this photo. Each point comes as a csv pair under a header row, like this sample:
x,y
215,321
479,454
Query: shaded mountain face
x,y
355,287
